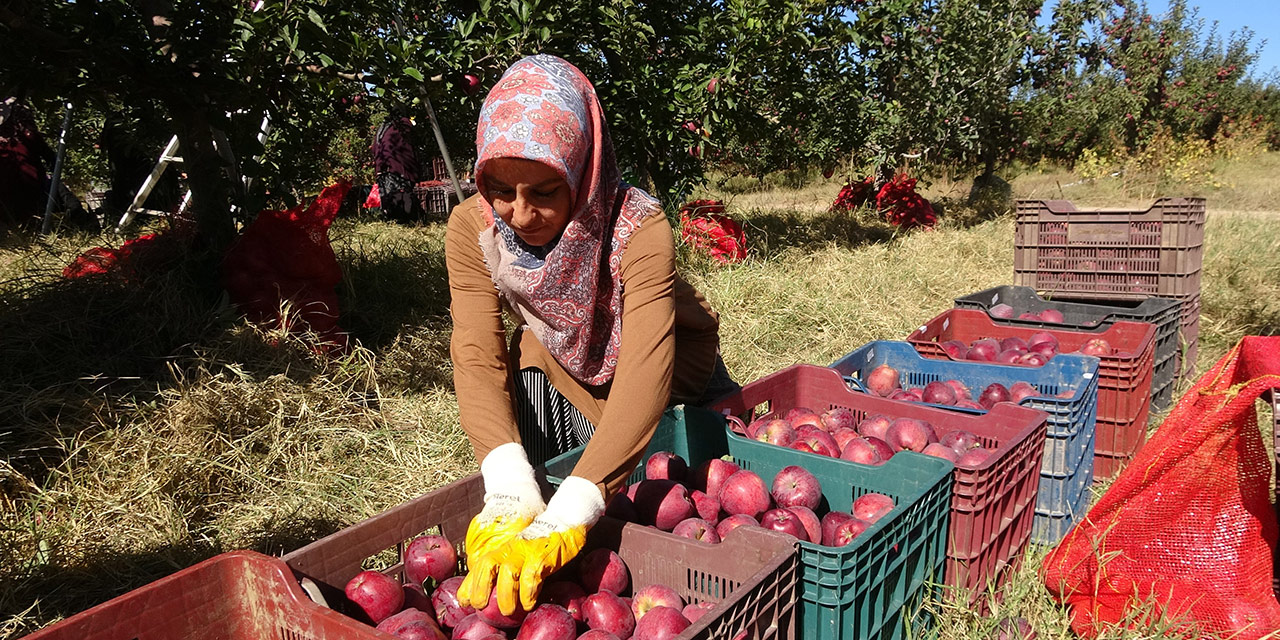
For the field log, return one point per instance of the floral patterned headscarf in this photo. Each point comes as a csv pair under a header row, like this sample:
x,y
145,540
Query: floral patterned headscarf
x,y
568,293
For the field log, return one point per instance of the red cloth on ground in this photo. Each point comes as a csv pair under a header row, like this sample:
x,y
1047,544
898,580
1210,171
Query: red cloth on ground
x,y
704,227
284,259
1188,525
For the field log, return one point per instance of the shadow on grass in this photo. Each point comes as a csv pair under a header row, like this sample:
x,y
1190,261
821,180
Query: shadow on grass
x,y
43,592
770,233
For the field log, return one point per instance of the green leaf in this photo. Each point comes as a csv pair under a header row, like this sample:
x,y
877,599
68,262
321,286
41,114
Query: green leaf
x,y
413,73
315,19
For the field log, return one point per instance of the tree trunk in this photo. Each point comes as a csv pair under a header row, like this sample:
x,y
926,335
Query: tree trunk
x,y
210,192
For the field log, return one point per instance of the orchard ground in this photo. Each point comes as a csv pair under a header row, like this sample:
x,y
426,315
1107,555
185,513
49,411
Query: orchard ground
x,y
146,428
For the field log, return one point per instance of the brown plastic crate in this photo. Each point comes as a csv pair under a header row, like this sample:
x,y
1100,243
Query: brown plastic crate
x,y
241,595
753,577
436,196
1156,252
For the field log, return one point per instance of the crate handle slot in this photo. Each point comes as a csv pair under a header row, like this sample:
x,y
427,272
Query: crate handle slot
x,y
735,423
313,591
856,385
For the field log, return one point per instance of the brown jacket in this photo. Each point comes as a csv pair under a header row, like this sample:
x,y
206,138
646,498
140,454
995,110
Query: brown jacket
x,y
667,354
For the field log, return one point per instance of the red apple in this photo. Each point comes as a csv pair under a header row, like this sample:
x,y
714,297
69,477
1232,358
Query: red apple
x,y
939,450
665,465
430,556
622,508
548,622
819,441
843,436
712,474
1009,357
795,485
776,432
1002,311
654,595
962,392
445,601
960,440
697,529
974,457
491,614
861,451
1052,315
565,594
956,350
660,623
473,628
470,83
744,492
1034,359
607,612
597,634
881,447
1042,337
692,612
415,597
603,570
378,595
875,425
871,507
1021,390
847,531
969,404
994,393
733,522
938,392
1013,629
910,434
827,173
412,624
1097,347
712,85
1013,343
883,380
708,507
839,418
784,521
1027,315
809,419
984,350
809,520
831,523
663,503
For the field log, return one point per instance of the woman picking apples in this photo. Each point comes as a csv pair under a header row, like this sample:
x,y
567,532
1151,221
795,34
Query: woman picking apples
x,y
609,335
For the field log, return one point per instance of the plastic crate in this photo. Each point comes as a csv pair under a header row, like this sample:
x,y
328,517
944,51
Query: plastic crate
x,y
1156,252
1124,385
992,504
753,579
1095,315
241,595
874,587
436,196
1070,427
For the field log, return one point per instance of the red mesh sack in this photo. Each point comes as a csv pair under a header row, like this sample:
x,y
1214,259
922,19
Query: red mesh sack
x,y
132,260
374,201
704,227
284,256
902,206
854,194
1187,527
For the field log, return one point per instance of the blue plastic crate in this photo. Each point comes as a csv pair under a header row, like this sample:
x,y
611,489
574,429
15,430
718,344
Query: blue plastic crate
x,y
1051,525
1070,429
874,587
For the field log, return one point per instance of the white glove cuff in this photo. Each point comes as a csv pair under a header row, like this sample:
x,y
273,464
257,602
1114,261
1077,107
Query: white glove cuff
x,y
507,472
577,503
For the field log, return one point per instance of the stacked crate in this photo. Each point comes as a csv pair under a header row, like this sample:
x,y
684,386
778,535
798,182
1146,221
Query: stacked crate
x,y
1116,255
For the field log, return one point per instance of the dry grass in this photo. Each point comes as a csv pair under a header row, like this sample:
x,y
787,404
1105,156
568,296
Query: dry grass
x,y
144,428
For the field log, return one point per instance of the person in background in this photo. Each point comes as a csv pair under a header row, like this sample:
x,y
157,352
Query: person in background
x,y
609,335
24,156
396,168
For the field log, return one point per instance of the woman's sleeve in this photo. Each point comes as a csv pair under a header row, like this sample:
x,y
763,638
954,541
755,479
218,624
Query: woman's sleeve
x,y
641,385
478,346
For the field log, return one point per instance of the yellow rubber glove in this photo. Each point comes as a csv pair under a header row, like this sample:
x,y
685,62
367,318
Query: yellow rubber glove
x,y
514,572
512,500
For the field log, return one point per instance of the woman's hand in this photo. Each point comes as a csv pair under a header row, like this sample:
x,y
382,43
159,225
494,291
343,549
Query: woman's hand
x,y
512,500
514,571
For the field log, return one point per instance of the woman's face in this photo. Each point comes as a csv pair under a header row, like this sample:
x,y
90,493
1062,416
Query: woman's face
x,y
529,196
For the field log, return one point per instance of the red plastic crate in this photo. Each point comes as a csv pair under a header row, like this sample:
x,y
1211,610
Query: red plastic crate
x,y
241,595
992,505
1155,252
752,577
1124,378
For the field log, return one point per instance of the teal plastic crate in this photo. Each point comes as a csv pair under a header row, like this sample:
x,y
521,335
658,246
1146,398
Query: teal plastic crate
x,y
873,588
